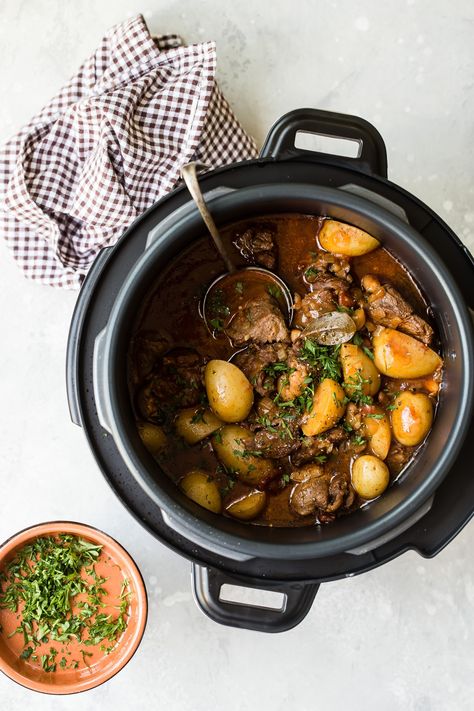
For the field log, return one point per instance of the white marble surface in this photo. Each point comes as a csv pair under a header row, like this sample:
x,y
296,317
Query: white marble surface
x,y
401,637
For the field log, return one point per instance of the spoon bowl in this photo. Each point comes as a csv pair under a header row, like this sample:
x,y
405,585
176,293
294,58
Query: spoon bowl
x,y
189,175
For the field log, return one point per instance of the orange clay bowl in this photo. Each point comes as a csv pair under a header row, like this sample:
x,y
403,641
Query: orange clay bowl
x,y
115,564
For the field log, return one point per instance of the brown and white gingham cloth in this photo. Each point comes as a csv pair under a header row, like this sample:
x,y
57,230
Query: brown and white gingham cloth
x,y
108,146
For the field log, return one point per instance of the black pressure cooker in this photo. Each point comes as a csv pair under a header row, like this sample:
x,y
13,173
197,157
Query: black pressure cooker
x,y
422,511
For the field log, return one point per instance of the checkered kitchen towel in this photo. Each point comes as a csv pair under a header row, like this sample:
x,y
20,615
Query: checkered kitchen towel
x,y
108,146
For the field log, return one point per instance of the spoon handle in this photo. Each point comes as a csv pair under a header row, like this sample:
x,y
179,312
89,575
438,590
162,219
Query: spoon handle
x,y
188,173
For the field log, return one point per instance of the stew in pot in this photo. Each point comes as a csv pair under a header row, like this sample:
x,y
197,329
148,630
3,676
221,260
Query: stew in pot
x,y
285,424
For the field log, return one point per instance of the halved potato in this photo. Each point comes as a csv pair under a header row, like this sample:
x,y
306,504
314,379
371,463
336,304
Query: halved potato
x,y
378,432
327,408
231,446
412,418
229,392
152,436
360,373
196,423
401,356
248,507
340,238
199,486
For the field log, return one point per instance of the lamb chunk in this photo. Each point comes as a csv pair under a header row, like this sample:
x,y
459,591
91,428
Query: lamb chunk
x,y
177,382
277,442
292,383
276,432
387,307
147,349
253,361
327,294
316,489
325,262
312,447
259,320
257,246
398,456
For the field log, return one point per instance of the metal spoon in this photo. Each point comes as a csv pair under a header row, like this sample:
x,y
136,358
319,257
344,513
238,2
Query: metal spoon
x,y
189,175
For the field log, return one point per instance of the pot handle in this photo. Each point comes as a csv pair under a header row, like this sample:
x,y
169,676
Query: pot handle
x,y
297,601
372,153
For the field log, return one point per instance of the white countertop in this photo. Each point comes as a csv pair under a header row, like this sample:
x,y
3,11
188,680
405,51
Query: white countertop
x,y
401,637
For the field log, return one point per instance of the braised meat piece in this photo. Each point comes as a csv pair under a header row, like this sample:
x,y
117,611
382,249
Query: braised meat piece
x,y
276,430
325,262
147,349
398,456
387,307
177,382
259,320
253,361
278,440
323,444
257,246
317,489
292,382
327,294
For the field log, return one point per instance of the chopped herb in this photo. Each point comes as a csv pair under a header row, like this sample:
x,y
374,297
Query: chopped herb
x,y
218,437
198,417
26,653
355,389
311,273
375,416
217,324
285,479
359,440
320,458
239,287
324,358
274,291
63,663
368,352
357,339
42,584
393,404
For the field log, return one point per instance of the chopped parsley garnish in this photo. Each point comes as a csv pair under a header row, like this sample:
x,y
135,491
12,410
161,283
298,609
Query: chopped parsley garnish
x,y
217,324
355,389
239,287
42,584
359,440
311,273
324,358
274,291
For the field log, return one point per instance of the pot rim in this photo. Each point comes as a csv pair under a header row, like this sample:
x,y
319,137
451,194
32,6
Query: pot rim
x,y
387,521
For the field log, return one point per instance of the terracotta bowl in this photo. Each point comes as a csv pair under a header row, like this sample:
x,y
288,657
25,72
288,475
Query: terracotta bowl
x,y
115,564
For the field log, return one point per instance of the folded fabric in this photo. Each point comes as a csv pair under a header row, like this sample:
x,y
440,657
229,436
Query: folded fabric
x,y
108,146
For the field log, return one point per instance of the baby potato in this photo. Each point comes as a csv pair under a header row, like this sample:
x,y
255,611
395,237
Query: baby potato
x,y
401,356
248,507
327,408
195,423
229,392
199,486
340,238
230,443
152,436
370,476
378,432
411,418
359,370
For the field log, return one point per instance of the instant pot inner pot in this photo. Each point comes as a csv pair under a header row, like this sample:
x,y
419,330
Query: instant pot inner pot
x,y
433,460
